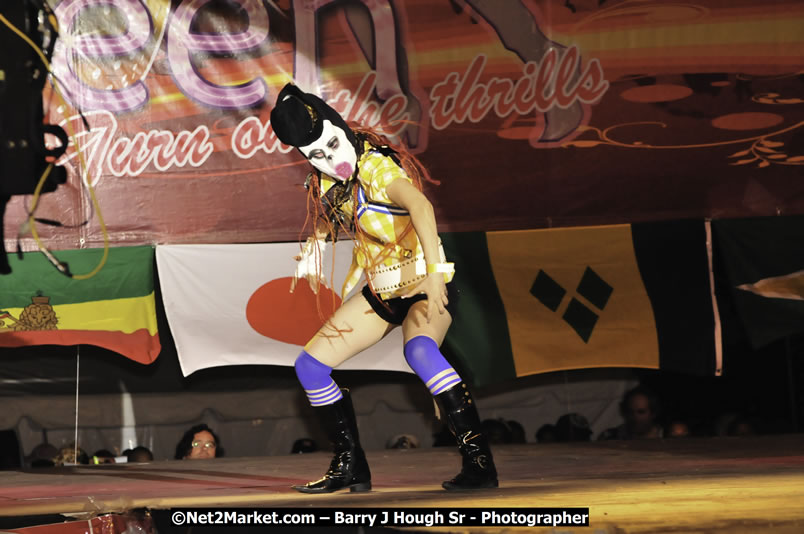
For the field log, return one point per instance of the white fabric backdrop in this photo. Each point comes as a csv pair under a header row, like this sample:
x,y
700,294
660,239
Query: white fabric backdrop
x,y
267,422
206,289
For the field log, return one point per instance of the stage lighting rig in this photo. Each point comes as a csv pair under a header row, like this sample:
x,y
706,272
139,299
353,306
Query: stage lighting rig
x,y
27,29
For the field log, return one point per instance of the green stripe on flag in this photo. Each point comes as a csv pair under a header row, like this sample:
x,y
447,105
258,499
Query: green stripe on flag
x,y
478,339
128,272
674,266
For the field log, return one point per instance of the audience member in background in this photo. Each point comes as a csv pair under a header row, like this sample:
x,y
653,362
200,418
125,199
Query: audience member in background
x,y
304,445
67,455
102,456
741,426
640,409
517,431
199,443
403,441
572,427
677,429
496,431
10,452
139,455
720,426
42,456
546,434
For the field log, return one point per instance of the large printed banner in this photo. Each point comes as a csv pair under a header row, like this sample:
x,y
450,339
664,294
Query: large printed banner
x,y
532,114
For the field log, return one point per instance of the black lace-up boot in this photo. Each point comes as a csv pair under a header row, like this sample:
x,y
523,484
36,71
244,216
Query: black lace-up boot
x,y
477,469
349,468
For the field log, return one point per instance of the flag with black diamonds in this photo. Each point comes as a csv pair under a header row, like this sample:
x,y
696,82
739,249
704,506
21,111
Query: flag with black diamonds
x,y
537,301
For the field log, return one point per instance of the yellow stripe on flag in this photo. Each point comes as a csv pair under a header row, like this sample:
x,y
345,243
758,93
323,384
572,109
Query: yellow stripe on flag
x,y
125,315
623,332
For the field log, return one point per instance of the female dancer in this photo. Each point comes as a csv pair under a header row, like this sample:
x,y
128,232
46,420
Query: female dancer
x,y
373,192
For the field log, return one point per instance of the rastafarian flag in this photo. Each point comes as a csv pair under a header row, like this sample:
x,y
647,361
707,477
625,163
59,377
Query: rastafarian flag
x,y
114,309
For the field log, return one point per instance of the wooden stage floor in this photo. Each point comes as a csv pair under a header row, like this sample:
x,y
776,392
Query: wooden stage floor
x,y
712,485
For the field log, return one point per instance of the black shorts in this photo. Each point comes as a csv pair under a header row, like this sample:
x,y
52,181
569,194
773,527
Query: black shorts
x,y
396,309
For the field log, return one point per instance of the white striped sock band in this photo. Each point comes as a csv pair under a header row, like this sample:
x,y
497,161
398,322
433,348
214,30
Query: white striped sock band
x,y
328,395
443,381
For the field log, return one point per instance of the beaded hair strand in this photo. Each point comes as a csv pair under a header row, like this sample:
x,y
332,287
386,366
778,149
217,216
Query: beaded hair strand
x,y
315,213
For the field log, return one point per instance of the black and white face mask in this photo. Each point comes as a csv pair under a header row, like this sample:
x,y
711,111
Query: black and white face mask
x,y
332,153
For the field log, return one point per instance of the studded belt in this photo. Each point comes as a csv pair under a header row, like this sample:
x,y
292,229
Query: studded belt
x,y
408,272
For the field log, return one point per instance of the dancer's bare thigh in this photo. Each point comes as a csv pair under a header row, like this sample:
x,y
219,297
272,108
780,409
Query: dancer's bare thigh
x,y
353,328
415,324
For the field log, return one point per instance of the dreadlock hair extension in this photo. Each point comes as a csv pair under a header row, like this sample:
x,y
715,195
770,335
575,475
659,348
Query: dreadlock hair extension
x,y
315,213
412,166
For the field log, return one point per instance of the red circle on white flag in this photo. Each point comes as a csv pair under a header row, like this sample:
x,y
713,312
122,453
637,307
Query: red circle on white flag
x,y
274,312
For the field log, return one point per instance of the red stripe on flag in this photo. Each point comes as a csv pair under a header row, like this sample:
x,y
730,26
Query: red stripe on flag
x,y
139,345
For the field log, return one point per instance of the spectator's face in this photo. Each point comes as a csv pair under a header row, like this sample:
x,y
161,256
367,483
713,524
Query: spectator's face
x,y
678,430
639,416
203,446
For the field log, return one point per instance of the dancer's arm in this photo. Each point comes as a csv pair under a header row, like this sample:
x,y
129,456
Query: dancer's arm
x,y
402,193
